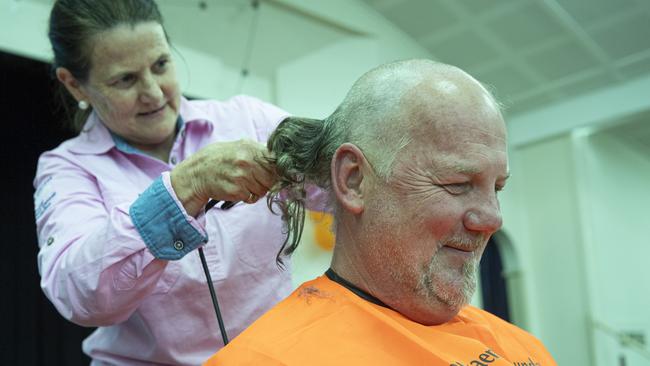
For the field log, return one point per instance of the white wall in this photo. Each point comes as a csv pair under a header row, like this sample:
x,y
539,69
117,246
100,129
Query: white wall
x,y
615,203
23,29
315,84
577,211
596,109
552,244
205,76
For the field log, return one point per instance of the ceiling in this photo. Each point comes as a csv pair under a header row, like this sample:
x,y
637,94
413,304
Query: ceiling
x,y
242,36
259,39
533,52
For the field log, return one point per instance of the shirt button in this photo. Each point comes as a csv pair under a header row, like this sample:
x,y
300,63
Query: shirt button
x,y
178,245
50,240
173,160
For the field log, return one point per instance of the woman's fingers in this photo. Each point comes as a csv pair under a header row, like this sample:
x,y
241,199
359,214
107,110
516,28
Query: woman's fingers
x,y
240,171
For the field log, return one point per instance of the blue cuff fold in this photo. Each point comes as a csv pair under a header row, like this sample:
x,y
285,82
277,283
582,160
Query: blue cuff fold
x,y
162,224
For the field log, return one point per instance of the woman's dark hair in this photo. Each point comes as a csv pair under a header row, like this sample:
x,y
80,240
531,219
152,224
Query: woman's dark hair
x,y
72,26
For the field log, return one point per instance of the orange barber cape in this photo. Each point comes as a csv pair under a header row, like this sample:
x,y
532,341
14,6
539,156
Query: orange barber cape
x,y
324,323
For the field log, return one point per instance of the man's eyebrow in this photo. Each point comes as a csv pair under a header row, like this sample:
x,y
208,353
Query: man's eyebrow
x,y
455,167
467,170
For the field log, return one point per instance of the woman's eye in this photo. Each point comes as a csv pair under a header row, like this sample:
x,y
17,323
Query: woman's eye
x,y
125,81
457,188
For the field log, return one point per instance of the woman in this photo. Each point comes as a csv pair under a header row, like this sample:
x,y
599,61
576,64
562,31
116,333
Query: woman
x,y
119,208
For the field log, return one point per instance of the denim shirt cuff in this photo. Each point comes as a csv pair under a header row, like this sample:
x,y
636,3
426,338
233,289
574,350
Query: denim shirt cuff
x,y
167,230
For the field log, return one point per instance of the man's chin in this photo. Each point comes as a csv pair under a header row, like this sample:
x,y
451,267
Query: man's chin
x,y
455,300
458,292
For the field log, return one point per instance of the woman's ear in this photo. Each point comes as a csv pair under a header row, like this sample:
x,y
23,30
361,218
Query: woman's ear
x,y
347,171
71,84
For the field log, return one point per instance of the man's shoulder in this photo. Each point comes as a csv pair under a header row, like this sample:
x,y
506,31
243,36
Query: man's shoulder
x,y
322,323
476,315
299,322
308,303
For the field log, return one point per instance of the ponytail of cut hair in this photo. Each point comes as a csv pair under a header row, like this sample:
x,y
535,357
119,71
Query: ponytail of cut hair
x,y
302,149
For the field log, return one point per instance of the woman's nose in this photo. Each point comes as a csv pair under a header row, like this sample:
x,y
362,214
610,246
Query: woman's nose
x,y
150,92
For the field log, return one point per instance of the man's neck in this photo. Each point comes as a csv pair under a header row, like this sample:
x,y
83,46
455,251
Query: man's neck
x,y
332,275
348,265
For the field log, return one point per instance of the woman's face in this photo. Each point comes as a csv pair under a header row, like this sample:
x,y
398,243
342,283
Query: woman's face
x,y
132,84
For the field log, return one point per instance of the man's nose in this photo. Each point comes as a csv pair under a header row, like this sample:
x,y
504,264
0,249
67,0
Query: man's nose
x,y
484,216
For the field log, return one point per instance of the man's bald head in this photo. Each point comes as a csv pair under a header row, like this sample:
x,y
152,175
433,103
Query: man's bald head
x,y
385,105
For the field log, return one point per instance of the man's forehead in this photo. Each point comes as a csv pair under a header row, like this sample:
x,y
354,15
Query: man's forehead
x,y
465,165
460,151
445,105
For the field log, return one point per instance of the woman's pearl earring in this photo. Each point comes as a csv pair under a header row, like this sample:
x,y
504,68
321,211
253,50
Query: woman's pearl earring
x,y
83,105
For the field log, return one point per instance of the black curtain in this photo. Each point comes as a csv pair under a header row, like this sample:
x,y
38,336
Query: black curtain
x,y
32,332
493,285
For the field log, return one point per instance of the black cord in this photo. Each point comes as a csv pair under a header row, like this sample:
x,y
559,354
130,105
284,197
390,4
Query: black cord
x,y
224,206
215,303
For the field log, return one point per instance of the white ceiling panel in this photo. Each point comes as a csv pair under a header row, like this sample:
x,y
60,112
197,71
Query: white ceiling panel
x,y
514,107
637,67
628,36
479,8
419,18
563,59
533,51
592,11
533,24
505,79
592,81
468,48
227,29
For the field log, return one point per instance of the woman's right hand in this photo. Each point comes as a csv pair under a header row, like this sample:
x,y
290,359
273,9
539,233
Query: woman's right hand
x,y
226,171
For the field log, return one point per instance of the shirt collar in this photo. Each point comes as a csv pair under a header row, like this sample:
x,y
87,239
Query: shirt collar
x,y
193,113
122,145
96,139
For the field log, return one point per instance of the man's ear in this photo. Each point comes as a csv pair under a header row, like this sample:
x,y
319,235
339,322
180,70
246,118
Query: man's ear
x,y
71,84
347,169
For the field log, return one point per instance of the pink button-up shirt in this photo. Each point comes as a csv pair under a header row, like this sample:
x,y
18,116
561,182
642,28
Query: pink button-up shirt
x,y
98,271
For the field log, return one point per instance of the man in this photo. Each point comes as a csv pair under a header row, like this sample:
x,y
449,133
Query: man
x,y
413,158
